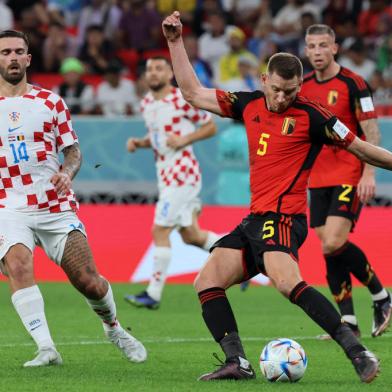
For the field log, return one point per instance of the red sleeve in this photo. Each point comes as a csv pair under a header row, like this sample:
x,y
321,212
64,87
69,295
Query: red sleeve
x,y
225,101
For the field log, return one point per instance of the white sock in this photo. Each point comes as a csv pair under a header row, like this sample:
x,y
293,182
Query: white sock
x,y
29,304
162,257
379,296
211,239
105,308
349,318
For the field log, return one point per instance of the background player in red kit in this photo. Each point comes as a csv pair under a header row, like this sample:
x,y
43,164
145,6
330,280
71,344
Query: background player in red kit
x,y
285,133
339,182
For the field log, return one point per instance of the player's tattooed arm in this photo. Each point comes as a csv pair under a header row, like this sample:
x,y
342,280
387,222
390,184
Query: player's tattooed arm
x,y
62,180
72,160
366,188
371,131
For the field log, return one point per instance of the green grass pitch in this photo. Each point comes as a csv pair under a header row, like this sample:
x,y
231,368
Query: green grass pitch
x,y
178,343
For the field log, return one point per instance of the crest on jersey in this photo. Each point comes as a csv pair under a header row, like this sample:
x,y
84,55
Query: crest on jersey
x,y
14,116
288,126
332,97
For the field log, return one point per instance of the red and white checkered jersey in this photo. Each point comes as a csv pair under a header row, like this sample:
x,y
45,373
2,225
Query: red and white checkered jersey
x,y
172,115
34,128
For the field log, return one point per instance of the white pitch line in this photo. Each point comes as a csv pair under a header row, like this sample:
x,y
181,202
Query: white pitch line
x,y
170,340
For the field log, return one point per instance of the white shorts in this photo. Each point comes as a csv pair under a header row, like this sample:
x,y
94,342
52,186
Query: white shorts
x,y
176,206
45,229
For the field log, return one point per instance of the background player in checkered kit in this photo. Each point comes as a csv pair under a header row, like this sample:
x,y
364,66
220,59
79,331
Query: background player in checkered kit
x,y
37,204
285,133
339,182
173,125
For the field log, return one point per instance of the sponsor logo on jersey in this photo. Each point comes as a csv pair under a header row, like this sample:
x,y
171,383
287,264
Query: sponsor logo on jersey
x,y
332,97
288,126
14,116
13,129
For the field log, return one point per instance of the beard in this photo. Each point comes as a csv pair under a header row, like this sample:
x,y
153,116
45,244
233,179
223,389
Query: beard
x,y
12,78
157,87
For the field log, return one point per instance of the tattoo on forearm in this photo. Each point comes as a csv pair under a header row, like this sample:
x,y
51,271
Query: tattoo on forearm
x,y
371,131
72,159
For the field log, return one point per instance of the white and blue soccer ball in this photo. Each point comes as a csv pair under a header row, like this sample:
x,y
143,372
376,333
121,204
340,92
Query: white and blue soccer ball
x,y
283,360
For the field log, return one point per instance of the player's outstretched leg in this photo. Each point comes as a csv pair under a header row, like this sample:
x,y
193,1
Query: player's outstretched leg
x,y
78,264
320,310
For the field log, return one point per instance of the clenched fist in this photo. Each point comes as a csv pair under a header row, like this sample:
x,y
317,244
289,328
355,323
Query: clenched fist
x,y
172,27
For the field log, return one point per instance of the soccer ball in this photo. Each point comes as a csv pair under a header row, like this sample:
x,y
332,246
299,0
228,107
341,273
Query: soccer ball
x,y
283,360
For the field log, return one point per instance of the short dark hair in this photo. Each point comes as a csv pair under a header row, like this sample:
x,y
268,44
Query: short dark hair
x,y
14,34
317,29
162,58
286,65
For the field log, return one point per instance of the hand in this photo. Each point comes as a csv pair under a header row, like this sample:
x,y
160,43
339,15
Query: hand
x,y
176,142
366,187
62,183
172,27
131,144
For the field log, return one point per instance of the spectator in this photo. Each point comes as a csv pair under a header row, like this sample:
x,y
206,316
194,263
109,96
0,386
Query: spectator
x,y
96,51
228,64
140,26
213,43
384,57
264,42
288,19
38,6
6,16
78,95
58,45
116,96
356,60
100,12
65,12
369,19
246,13
382,94
201,67
30,24
185,7
248,79
204,9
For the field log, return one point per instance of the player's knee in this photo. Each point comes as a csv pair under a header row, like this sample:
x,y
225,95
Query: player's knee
x,y
91,286
332,244
284,286
19,267
190,239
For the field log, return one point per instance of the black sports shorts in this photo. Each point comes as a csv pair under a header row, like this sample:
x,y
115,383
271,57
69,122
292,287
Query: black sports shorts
x,y
259,233
341,200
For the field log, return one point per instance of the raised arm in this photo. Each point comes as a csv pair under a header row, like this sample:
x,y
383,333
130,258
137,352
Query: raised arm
x,y
371,154
197,95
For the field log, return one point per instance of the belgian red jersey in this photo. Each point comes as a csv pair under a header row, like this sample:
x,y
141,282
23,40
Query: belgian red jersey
x,y
282,147
349,98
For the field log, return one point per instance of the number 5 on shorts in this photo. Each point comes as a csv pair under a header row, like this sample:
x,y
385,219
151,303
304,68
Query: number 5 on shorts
x,y
268,229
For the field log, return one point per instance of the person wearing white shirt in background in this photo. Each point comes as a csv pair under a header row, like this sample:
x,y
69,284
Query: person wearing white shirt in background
x,y
116,96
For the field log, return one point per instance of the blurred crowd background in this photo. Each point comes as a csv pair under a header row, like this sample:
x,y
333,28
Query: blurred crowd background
x,y
92,52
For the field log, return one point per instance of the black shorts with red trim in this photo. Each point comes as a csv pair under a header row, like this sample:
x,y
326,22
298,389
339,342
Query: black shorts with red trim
x,y
259,233
341,200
